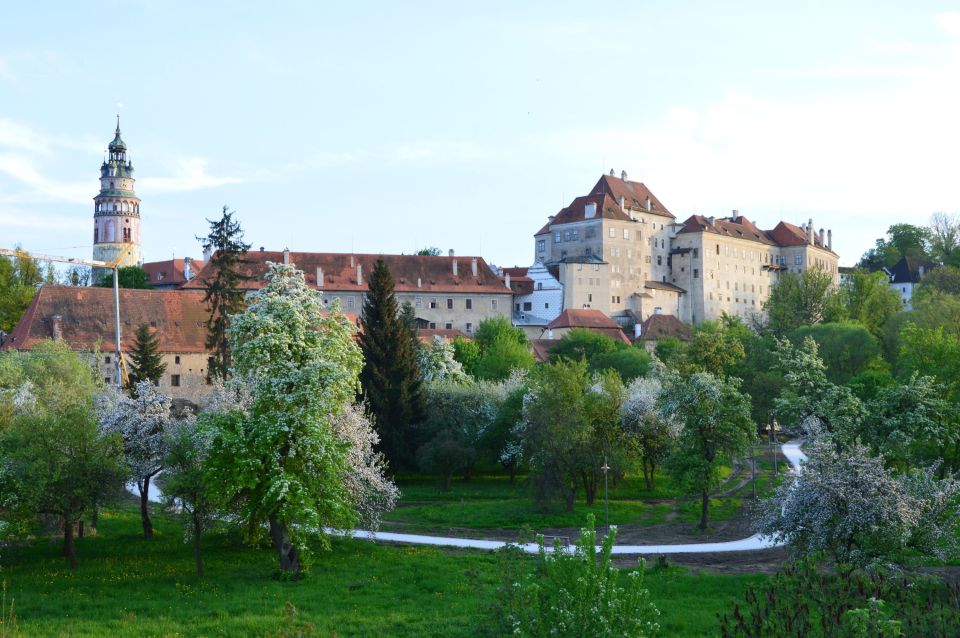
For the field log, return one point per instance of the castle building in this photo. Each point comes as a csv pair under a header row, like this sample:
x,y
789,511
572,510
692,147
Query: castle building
x,y
116,210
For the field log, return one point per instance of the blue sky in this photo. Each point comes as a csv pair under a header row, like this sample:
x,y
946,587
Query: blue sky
x,y
383,127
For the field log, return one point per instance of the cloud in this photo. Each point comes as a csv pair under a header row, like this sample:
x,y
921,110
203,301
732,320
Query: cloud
x,y
42,188
35,221
949,21
190,174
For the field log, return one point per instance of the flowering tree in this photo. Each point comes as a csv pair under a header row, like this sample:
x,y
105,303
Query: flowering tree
x,y
715,425
279,461
852,506
140,421
646,430
438,365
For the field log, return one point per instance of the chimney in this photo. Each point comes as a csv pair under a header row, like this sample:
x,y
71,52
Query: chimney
x,y
822,242
506,280
261,248
473,266
451,252
352,264
623,203
637,329
648,204
734,213
810,231
623,175
359,274
829,239
286,255
590,210
186,268
419,282
319,277
207,254
549,333
454,264
56,326
611,172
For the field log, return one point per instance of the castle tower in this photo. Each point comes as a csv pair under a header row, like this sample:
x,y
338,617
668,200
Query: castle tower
x,y
116,209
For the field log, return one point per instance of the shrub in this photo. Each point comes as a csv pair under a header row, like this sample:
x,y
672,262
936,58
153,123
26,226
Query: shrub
x,y
576,593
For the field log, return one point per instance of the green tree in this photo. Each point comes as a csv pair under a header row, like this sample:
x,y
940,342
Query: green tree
x,y
945,279
430,251
798,299
717,346
945,238
467,353
127,277
391,377
902,240
222,286
715,427
145,359
493,328
501,357
847,349
19,279
630,362
581,344
869,299
670,351
277,461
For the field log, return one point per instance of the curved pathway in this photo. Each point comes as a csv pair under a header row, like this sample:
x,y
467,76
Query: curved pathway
x,y
791,451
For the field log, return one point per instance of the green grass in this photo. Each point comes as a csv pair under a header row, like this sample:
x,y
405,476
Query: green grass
x,y
130,587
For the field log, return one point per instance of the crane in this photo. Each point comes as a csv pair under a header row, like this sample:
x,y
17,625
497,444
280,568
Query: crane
x,y
121,367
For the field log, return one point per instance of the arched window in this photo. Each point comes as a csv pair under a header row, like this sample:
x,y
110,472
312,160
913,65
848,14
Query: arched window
x,y
111,232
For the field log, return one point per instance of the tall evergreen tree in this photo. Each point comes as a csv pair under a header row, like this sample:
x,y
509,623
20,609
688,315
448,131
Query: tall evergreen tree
x,y
146,362
390,379
224,297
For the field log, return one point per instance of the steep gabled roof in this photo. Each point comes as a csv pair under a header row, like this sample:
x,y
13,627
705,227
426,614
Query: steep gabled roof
x,y
607,208
738,227
634,195
170,272
910,270
583,318
663,326
434,274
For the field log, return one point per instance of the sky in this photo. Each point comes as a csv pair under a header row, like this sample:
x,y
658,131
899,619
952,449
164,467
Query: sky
x,y
387,127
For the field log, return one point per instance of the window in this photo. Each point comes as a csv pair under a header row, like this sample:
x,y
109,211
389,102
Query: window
x,y
575,234
493,304
433,326
175,380
718,249
449,303
469,327
350,303
541,245
106,359
613,232
639,235
106,380
626,233
433,303
528,306
696,273
176,359
556,237
448,326
590,296
696,253
596,267
468,304
208,380
659,260
798,260
546,305
418,301
566,235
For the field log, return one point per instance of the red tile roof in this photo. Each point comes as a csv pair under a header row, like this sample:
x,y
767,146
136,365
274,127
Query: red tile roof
x,y
634,195
170,272
783,234
541,349
590,319
435,274
607,208
86,318
662,326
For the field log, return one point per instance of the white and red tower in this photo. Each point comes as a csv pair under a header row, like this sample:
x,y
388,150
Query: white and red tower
x,y
116,216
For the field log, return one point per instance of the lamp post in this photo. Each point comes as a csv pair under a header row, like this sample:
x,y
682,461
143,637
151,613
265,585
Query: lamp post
x,y
606,498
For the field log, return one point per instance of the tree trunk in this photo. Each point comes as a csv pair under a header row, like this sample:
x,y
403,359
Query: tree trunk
x,y
69,550
445,482
287,553
571,495
468,473
196,545
651,483
704,508
144,512
94,516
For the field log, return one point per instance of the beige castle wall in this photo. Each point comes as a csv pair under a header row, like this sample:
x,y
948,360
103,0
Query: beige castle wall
x,y
190,367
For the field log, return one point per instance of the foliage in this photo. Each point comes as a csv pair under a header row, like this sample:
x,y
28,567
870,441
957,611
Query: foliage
x,y
58,464
945,279
717,346
19,279
798,299
670,350
930,351
501,357
846,349
803,601
867,298
223,295
647,431
444,455
499,440
578,593
467,353
279,461
602,352
848,504
390,378
146,362
629,362
902,240
715,425
8,619
945,238
430,251
127,277
493,328
438,364
140,422
187,443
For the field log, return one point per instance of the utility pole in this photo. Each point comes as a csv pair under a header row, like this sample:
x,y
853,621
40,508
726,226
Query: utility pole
x,y
606,497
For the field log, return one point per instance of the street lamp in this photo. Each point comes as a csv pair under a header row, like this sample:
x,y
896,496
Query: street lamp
x,y
606,497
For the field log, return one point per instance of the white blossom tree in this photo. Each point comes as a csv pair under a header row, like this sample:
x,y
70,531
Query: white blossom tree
x,y
438,365
646,429
141,422
850,505
278,461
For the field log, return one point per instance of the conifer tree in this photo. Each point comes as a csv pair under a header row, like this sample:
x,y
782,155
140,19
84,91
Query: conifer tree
x,y
390,379
146,362
224,297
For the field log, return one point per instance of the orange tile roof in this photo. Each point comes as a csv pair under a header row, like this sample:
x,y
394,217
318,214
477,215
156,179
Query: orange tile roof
x,y
783,234
169,272
607,208
435,274
590,319
663,326
634,195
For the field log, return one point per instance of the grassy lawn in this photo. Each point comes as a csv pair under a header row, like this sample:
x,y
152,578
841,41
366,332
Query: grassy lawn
x,y
130,587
